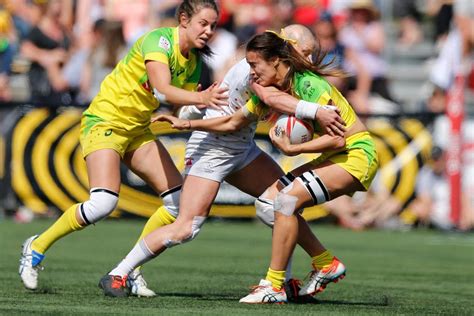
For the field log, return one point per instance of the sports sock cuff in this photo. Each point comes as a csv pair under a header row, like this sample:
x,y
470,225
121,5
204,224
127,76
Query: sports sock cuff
x,y
145,248
276,277
72,220
322,260
165,216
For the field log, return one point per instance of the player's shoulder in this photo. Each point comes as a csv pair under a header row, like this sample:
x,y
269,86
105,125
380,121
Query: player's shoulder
x,y
308,83
238,74
162,36
240,67
161,31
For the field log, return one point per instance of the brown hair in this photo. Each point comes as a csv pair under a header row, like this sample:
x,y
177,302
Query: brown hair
x,y
270,45
191,7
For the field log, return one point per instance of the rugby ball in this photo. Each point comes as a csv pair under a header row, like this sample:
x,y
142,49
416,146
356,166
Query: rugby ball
x,y
299,131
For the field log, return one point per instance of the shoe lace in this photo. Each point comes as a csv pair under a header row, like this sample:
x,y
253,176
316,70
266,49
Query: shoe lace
x,y
138,280
310,275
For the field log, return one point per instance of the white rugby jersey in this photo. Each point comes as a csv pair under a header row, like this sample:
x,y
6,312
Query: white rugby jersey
x,y
237,80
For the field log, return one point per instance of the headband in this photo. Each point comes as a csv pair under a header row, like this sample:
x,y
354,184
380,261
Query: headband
x,y
283,37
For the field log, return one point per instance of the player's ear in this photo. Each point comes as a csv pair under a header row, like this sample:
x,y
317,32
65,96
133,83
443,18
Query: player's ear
x,y
183,19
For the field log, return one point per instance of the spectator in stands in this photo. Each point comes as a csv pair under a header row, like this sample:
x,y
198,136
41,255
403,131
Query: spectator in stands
x,y
47,44
375,208
431,205
409,17
108,48
25,14
364,34
442,13
457,51
135,16
338,54
306,12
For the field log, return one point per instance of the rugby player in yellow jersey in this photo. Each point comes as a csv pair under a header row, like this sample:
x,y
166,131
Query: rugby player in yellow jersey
x,y
164,65
347,164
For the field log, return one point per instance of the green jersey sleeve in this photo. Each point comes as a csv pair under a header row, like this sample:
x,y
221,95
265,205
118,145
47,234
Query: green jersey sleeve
x,y
158,45
312,88
254,108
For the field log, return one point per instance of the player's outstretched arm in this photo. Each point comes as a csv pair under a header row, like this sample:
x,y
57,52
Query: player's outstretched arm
x,y
320,144
329,119
223,124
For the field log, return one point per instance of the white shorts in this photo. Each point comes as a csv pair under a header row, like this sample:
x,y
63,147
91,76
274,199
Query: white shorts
x,y
208,165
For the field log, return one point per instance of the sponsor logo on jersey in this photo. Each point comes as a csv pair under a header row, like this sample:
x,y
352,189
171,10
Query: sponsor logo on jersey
x,y
164,43
179,72
108,132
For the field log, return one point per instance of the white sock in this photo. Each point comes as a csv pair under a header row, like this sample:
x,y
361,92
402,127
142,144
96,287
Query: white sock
x,y
136,257
288,274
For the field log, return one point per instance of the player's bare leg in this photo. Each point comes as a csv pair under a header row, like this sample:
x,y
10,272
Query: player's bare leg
x,y
103,169
196,200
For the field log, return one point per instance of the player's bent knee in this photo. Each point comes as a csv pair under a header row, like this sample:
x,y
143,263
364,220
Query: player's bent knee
x,y
171,200
265,207
101,203
264,210
315,187
285,203
187,235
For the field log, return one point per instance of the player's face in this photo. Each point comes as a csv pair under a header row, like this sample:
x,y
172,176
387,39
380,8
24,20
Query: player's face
x,y
264,73
305,50
201,27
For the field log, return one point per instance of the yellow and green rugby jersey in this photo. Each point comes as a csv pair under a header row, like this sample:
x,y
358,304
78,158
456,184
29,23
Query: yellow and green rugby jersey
x,y
126,98
313,88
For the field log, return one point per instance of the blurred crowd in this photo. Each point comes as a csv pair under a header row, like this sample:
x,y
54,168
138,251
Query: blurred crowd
x,y
64,48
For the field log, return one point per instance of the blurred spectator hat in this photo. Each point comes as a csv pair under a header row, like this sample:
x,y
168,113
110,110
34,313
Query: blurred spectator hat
x,y
367,5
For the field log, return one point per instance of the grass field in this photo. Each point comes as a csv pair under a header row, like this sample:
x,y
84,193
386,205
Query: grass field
x,y
416,273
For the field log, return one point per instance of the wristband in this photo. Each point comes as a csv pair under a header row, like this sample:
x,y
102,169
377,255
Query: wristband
x,y
306,110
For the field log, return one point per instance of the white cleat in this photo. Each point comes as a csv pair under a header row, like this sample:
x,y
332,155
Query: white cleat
x,y
138,285
264,293
28,273
319,279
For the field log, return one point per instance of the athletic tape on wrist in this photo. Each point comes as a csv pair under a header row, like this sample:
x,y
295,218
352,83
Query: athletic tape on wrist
x,y
306,110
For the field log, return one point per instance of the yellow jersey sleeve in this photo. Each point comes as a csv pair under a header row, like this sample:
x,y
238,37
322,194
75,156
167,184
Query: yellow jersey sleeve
x,y
255,109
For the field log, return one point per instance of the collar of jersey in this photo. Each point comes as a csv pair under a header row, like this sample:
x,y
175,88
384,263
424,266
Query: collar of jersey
x,y
181,59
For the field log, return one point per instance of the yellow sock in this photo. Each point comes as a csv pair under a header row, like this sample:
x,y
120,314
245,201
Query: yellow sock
x,y
159,219
276,277
323,260
65,225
